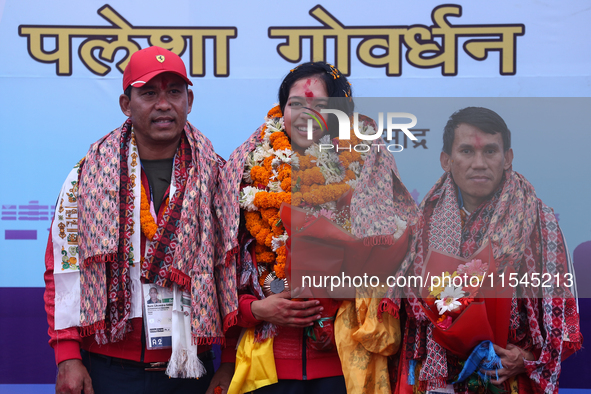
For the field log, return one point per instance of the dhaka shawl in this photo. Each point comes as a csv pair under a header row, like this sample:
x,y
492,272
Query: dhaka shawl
x,y
186,250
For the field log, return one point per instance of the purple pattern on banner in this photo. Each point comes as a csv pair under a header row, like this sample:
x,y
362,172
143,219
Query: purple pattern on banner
x,y
26,355
8,212
20,234
31,211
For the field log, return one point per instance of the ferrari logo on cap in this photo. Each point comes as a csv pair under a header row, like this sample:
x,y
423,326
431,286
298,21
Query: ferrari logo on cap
x,y
160,58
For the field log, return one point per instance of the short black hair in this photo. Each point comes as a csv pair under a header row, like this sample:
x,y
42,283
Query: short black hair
x,y
483,118
337,86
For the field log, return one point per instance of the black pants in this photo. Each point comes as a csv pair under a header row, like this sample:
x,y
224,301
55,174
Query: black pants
x,y
332,385
112,377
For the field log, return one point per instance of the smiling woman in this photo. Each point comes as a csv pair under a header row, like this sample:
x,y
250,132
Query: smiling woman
x,y
291,343
310,87
279,326
306,95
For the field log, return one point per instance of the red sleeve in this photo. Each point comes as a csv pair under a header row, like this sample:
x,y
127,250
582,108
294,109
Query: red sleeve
x,y
65,343
245,317
229,351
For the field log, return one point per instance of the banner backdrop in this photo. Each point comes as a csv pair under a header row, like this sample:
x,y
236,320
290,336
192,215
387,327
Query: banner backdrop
x,y
61,76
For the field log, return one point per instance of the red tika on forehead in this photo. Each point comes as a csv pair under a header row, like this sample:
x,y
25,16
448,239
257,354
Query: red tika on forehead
x,y
308,93
164,82
309,96
477,141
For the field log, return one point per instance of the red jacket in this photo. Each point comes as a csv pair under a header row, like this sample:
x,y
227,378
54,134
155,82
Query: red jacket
x,y
293,358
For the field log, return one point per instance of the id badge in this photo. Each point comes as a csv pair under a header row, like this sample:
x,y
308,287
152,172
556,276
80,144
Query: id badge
x,y
449,389
157,302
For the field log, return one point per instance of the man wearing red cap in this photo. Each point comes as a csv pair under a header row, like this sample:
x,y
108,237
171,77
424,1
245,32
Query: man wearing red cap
x,y
138,212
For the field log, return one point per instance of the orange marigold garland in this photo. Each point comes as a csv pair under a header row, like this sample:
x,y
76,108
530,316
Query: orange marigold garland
x,y
318,180
268,176
147,222
325,175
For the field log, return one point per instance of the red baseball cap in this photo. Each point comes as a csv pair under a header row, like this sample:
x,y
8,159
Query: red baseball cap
x,y
145,64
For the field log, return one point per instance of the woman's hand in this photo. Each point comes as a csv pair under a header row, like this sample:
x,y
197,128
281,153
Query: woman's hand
x,y
280,310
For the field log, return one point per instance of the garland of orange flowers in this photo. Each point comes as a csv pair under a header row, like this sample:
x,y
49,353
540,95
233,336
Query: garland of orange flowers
x,y
264,223
308,183
149,226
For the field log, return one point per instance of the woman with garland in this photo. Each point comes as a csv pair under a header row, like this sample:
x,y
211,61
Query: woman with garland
x,y
290,345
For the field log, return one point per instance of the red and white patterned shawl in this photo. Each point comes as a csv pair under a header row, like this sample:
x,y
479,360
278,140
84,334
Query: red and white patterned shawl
x,y
190,249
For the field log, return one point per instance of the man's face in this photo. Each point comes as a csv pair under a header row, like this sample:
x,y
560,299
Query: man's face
x,y
153,295
307,92
476,163
158,110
